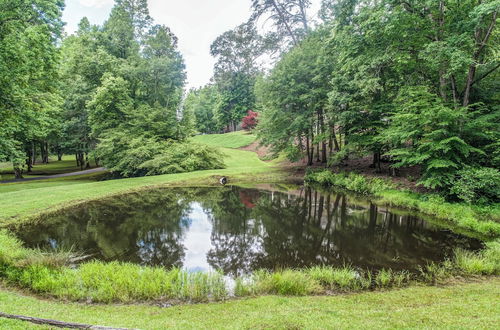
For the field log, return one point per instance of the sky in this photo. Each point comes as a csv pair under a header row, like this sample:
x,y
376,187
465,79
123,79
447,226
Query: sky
x,y
197,23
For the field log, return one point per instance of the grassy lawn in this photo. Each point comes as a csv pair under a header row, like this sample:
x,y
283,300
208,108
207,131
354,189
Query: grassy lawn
x,y
229,140
66,165
472,305
461,305
29,198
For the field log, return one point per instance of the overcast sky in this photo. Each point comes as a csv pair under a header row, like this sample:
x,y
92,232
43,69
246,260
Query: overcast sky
x,y
195,22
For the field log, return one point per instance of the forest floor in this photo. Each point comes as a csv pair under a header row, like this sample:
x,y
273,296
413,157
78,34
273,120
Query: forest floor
x,y
459,305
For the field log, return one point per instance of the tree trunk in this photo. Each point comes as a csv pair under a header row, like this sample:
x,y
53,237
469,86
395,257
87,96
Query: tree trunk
x,y
311,149
481,42
33,153
18,172
309,160
29,162
323,142
376,161
335,141
87,162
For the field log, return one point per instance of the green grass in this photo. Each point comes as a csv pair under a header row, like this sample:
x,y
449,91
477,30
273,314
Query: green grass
x,y
66,165
476,221
229,140
18,201
117,282
472,305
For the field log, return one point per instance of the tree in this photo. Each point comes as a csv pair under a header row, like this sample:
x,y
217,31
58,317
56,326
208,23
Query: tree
x,y
235,71
29,30
289,19
202,103
250,121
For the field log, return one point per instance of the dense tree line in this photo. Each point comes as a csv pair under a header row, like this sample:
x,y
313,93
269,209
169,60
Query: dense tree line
x,y
113,92
29,97
414,83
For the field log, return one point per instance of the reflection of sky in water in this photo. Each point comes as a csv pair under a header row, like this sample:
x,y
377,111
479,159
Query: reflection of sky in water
x,y
197,241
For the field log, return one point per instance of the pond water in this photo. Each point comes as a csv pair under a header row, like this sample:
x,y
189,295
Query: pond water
x,y
238,230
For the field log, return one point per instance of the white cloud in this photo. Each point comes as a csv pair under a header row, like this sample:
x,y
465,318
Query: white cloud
x,y
95,3
195,22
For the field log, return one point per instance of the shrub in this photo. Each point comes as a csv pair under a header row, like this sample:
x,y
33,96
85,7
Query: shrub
x,y
131,156
477,185
250,121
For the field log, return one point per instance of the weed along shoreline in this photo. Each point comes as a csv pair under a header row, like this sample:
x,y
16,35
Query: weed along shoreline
x,y
31,275
294,164
47,274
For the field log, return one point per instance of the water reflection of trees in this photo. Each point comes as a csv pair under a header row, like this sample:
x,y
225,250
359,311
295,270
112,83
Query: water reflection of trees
x,y
141,228
299,230
251,229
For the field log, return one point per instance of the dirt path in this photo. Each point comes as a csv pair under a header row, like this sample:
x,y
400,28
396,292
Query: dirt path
x,y
45,177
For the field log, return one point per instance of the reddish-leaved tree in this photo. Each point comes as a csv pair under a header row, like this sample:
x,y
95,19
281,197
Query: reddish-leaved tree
x,y
250,121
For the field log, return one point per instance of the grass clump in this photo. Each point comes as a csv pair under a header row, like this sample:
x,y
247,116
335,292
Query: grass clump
x,y
286,282
481,221
349,181
115,282
485,262
344,279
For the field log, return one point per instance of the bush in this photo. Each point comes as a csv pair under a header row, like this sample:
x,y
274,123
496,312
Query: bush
x,y
184,157
479,185
131,156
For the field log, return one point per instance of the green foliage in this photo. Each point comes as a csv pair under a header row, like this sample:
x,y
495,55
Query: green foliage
x,y
482,221
138,156
184,157
235,73
425,132
349,181
203,103
287,282
344,279
29,99
370,80
477,185
485,262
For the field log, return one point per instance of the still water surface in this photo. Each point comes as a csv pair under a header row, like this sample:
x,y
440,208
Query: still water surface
x,y
238,230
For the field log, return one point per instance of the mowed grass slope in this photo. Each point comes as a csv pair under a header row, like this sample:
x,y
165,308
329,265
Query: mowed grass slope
x,y
229,140
467,306
24,199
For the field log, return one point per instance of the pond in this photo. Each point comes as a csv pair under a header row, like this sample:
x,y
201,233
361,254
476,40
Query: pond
x,y
238,230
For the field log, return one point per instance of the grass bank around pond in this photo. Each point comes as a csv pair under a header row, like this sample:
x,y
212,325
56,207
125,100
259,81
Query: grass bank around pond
x,y
19,201
229,140
480,221
461,305
49,274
